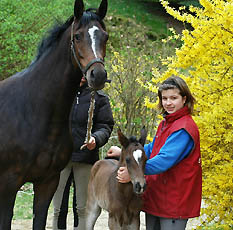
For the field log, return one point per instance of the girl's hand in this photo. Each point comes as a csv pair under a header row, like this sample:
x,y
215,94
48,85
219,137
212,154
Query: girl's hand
x,y
123,175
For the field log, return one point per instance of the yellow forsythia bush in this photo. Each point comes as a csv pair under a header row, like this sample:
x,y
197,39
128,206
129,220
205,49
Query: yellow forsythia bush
x,y
205,61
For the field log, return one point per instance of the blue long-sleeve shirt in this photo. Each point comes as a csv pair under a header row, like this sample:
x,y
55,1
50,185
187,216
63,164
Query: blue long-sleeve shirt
x,y
177,146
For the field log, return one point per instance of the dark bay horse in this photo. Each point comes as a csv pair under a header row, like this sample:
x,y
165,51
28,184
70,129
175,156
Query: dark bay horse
x,y
122,201
35,104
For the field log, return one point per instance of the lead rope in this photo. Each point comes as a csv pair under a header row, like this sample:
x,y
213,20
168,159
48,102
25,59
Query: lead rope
x,y
90,120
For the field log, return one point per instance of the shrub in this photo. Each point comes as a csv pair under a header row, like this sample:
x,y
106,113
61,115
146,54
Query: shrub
x,y
205,62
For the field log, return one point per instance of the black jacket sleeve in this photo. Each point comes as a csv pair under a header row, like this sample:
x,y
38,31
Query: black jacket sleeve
x,y
103,121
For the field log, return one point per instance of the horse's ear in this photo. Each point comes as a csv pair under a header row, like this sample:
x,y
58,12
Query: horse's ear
x,y
142,139
78,9
102,9
124,141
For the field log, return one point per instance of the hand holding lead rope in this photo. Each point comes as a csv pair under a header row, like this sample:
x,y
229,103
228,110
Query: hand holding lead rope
x,y
89,138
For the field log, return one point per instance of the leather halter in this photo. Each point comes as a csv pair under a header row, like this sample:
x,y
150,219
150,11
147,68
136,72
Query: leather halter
x,y
93,61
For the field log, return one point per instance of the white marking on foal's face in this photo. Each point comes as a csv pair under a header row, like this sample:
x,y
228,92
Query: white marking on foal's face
x,y
91,32
137,154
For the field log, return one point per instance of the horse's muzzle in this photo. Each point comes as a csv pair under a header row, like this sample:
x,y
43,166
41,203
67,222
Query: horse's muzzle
x,y
139,188
97,77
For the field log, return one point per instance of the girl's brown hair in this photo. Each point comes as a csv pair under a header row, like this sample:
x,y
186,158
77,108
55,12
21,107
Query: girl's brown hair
x,y
175,82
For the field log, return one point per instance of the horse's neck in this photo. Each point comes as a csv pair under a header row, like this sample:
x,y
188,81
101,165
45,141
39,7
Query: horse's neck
x,y
56,79
55,70
122,162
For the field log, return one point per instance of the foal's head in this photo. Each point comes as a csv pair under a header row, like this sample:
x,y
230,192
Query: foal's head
x,y
88,42
133,156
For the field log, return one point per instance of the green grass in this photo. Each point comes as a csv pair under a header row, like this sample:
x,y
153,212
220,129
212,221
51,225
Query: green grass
x,y
23,208
23,203
133,9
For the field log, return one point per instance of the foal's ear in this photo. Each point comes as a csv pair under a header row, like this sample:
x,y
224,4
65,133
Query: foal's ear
x,y
142,139
124,141
78,9
102,9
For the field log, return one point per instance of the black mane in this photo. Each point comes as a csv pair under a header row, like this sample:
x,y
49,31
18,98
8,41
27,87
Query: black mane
x,y
56,32
53,37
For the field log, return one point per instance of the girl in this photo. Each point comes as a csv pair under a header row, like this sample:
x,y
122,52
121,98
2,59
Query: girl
x,y
173,169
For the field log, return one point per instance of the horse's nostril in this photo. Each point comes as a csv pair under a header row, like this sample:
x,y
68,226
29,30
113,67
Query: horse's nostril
x,y
92,74
138,187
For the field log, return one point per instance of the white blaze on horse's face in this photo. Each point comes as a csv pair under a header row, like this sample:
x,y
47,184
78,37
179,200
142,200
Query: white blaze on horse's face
x,y
137,154
91,32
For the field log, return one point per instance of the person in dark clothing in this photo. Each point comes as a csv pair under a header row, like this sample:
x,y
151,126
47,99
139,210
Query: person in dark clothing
x,y
81,161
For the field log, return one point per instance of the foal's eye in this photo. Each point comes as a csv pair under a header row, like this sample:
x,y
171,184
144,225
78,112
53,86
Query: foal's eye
x,y
77,37
127,160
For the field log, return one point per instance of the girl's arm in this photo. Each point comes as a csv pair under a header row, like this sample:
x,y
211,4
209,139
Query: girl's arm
x,y
177,146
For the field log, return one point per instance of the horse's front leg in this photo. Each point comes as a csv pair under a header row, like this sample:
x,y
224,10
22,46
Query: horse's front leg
x,y
43,194
9,186
7,200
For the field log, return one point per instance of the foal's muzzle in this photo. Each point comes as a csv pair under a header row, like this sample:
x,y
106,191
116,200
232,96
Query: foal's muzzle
x,y
139,188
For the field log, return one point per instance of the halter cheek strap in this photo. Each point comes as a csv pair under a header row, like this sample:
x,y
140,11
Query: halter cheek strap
x,y
93,61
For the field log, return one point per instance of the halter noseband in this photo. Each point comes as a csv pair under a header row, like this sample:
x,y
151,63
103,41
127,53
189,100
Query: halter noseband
x,y
93,61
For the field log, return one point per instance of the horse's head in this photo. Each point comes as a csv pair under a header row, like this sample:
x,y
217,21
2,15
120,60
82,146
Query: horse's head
x,y
88,43
133,156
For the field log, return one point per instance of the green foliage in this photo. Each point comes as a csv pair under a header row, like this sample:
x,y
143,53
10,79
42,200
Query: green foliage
x,y
180,2
205,62
22,25
129,61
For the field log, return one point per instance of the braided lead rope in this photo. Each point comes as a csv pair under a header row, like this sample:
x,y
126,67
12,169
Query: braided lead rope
x,y
90,120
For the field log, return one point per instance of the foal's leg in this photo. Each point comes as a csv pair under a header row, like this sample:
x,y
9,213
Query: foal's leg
x,y
113,222
135,224
43,194
93,211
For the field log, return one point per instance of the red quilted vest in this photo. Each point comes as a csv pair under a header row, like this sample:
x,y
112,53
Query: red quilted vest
x,y
176,193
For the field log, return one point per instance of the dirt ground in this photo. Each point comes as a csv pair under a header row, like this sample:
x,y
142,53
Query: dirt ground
x,y
101,224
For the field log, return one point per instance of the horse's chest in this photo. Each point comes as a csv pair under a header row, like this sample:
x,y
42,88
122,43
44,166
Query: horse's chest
x,y
129,205
54,154
128,214
51,156
133,205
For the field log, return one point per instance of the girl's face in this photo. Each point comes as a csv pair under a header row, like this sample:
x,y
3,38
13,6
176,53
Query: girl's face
x,y
172,100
